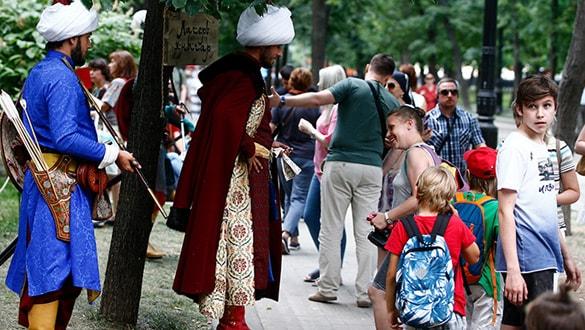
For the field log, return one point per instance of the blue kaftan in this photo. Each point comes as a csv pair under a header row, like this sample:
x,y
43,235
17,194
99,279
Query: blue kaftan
x,y
60,115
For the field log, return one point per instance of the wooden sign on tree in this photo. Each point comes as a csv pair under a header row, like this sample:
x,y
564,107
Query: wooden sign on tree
x,y
189,39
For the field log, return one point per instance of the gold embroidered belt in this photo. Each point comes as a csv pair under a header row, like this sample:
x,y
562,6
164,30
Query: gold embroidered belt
x,y
56,186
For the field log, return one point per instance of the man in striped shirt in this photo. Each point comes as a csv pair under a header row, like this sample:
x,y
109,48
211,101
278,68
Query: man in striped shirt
x,y
454,130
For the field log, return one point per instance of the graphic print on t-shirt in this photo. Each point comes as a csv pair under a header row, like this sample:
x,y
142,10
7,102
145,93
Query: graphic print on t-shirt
x,y
545,169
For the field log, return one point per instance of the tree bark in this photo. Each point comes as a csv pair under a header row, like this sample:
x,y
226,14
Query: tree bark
x,y
457,63
432,35
571,87
516,54
320,21
123,282
552,47
572,81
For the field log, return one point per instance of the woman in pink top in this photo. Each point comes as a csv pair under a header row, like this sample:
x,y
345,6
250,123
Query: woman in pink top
x,y
322,134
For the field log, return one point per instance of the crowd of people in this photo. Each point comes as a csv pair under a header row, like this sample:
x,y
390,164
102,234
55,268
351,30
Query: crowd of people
x,y
466,236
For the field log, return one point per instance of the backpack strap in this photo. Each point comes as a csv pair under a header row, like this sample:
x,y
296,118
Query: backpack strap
x,y
440,225
381,115
436,158
559,162
465,284
459,197
411,227
483,200
492,267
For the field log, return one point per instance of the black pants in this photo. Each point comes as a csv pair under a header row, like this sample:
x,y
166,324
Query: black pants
x,y
537,283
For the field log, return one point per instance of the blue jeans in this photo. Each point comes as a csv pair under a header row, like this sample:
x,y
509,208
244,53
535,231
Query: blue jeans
x,y
312,214
298,195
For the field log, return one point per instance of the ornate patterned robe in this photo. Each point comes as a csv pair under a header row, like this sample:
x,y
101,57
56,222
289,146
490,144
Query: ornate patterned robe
x,y
232,243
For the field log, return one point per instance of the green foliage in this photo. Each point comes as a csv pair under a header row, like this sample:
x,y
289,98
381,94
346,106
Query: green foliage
x,y
534,22
217,7
115,33
21,46
413,31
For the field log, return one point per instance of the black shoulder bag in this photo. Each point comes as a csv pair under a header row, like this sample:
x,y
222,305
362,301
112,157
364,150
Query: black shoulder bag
x,y
376,96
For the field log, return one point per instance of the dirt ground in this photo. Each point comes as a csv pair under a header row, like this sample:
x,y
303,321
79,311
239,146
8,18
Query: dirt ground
x,y
160,306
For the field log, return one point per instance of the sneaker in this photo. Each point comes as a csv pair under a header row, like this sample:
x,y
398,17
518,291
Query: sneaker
x,y
294,246
312,276
319,297
364,303
98,224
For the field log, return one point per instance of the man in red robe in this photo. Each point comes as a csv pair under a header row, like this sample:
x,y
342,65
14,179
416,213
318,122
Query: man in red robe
x,y
231,252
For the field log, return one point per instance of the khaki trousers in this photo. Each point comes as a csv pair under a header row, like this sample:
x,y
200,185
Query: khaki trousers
x,y
344,184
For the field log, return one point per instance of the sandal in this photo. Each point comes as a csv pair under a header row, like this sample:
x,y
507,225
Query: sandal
x,y
285,249
312,276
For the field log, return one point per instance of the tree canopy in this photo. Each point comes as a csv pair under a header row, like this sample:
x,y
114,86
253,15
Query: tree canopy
x,y
21,46
414,31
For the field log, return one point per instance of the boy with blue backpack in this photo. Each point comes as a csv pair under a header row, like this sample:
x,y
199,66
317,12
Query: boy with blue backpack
x,y
424,286
479,211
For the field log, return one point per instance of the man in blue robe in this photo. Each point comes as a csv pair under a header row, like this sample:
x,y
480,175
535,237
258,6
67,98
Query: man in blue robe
x,y
47,271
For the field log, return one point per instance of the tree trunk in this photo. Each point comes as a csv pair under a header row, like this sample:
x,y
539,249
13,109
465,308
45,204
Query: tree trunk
x,y
552,47
517,62
123,282
571,87
320,22
432,35
457,63
572,81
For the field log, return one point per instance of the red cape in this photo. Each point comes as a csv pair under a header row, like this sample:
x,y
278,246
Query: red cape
x,y
230,85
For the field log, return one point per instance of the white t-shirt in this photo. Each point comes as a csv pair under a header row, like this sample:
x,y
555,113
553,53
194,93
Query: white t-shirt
x,y
524,166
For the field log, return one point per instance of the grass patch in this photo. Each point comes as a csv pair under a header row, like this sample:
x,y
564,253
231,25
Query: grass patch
x,y
9,204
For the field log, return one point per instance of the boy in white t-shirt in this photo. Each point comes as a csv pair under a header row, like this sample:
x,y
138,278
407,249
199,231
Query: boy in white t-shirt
x,y
529,250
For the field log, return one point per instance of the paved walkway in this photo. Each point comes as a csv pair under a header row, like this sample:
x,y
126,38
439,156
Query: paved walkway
x,y
295,311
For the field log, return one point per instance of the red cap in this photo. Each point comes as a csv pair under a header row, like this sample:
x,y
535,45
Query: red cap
x,y
481,162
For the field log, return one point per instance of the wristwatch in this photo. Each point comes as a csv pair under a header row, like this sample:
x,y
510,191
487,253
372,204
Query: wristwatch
x,y
282,100
387,218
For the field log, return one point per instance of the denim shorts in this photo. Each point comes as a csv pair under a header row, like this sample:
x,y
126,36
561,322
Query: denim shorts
x,y
380,278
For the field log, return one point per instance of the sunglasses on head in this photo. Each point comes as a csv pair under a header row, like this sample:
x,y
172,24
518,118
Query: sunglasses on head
x,y
445,92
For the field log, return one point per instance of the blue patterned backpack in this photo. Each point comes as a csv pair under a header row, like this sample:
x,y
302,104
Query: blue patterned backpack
x,y
425,283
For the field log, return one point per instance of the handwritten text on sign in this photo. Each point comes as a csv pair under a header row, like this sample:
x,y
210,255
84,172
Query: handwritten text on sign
x,y
190,39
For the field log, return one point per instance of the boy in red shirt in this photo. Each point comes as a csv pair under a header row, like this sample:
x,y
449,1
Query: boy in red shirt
x,y
435,189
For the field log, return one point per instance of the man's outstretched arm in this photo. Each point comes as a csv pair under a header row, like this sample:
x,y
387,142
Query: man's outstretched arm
x,y
309,100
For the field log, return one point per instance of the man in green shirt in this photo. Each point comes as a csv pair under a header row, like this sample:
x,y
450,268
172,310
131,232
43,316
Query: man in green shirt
x,y
352,173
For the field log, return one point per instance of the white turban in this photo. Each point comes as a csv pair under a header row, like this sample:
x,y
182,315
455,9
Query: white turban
x,y
275,27
60,22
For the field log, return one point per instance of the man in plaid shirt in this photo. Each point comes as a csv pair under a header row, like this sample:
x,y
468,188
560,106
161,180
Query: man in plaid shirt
x,y
454,130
